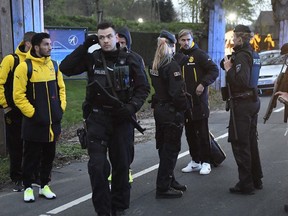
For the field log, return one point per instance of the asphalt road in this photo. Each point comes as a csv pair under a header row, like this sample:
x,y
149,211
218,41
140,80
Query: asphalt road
x,y
206,195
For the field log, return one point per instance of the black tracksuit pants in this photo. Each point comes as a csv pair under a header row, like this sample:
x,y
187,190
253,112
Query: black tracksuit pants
x,y
35,154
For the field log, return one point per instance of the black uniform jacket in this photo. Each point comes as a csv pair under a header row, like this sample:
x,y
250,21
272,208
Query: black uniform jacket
x,y
169,86
197,67
238,75
80,61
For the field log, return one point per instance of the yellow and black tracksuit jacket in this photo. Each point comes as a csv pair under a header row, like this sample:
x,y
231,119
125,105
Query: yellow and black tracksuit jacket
x,y
7,65
41,99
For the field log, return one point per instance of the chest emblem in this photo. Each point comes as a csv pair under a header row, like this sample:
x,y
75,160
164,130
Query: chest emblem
x,y
191,59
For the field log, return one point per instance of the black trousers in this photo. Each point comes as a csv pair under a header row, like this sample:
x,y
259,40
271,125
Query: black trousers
x,y
168,142
118,146
245,149
13,120
38,154
197,135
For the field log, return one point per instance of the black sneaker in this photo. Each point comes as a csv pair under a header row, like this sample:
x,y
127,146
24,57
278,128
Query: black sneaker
x,y
171,193
177,186
118,212
238,190
18,186
258,184
286,208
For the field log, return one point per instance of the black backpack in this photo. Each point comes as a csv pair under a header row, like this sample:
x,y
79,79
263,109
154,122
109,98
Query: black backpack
x,y
8,86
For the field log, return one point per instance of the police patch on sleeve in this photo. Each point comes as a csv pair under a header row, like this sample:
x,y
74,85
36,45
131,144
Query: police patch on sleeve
x,y
238,68
154,72
176,74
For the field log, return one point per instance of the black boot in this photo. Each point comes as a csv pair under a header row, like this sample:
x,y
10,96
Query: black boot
x,y
169,194
286,208
177,186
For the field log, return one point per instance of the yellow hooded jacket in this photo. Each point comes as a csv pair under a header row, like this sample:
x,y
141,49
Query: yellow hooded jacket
x,y
6,67
42,99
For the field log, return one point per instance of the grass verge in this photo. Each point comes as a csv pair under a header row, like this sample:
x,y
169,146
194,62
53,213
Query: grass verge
x,y
67,150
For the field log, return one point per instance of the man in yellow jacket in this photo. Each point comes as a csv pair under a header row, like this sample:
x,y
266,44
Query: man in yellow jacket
x,y
13,116
39,92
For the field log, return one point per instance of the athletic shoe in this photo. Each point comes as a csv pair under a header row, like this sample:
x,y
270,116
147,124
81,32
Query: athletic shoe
x,y
206,169
130,176
29,195
18,187
192,166
46,192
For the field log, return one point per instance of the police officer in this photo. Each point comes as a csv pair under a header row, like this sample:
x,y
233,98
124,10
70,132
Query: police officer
x,y
109,127
246,104
169,103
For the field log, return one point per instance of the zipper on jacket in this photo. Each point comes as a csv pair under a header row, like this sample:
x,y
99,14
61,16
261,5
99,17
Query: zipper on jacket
x,y
195,75
51,135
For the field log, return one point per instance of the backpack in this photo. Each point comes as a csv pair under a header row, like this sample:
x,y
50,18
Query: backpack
x,y
8,86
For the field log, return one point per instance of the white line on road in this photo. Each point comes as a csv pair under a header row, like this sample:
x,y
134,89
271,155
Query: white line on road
x,y
279,110
136,175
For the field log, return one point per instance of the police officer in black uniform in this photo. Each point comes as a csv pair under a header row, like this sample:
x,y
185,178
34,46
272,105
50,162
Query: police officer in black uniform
x,y
246,104
109,127
169,103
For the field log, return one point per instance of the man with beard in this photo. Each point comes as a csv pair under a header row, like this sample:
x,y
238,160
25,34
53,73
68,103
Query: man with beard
x,y
198,71
39,93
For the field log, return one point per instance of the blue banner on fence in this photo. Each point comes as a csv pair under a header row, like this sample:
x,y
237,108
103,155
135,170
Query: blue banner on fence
x,y
65,40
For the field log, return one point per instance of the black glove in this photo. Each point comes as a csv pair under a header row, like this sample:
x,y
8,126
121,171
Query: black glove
x,y
90,40
126,111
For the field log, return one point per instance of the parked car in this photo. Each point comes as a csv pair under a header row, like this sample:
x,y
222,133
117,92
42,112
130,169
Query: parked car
x,y
270,69
269,54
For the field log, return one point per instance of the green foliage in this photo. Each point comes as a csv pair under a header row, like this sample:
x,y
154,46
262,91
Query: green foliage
x,y
243,8
81,21
75,92
67,152
167,12
4,170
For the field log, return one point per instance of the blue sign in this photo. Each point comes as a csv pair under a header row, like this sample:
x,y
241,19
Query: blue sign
x,y
65,40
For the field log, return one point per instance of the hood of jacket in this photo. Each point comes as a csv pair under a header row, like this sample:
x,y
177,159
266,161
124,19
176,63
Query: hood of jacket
x,y
20,51
125,33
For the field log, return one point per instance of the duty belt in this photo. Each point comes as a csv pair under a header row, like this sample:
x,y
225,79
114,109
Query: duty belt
x,y
242,95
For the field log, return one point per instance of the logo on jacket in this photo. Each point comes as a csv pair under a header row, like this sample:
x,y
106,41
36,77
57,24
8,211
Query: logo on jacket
x,y
154,72
238,68
177,74
191,59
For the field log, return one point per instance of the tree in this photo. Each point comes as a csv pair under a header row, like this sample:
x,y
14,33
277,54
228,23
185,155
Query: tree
x,y
167,12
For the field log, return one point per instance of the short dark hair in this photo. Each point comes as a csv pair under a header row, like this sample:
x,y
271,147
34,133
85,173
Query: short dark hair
x,y
38,37
28,36
105,25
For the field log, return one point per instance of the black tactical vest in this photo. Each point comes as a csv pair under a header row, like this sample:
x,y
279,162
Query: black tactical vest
x,y
118,74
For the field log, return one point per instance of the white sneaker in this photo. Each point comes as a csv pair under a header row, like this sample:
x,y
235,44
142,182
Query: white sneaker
x,y
192,166
206,169
29,195
46,192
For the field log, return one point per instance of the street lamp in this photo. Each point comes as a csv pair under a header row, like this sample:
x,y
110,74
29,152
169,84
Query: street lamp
x,y
140,20
232,17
